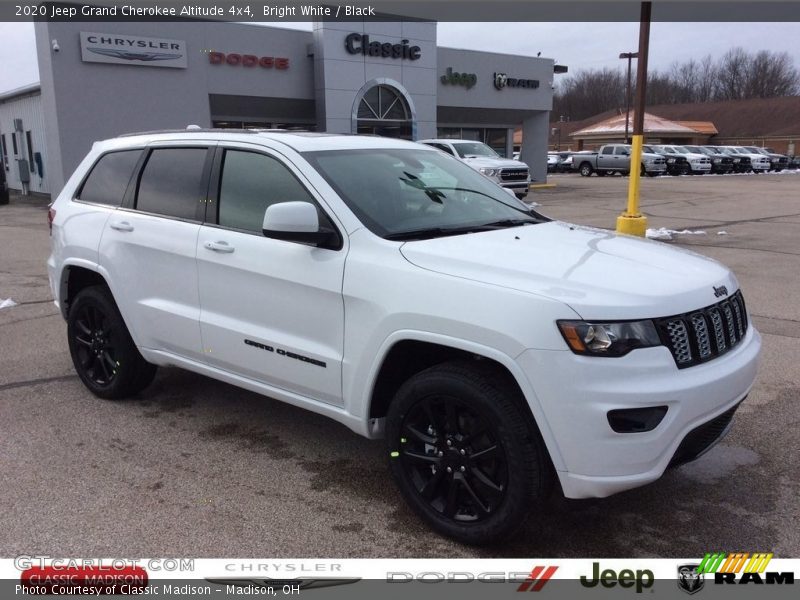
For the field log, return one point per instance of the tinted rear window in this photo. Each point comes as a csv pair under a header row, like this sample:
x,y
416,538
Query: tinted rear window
x,y
109,178
172,183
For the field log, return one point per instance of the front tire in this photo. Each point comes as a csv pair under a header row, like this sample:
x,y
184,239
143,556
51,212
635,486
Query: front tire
x,y
464,453
103,352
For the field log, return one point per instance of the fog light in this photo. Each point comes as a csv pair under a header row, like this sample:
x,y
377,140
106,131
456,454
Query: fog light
x,y
636,420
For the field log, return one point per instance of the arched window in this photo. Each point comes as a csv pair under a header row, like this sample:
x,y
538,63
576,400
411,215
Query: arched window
x,y
383,110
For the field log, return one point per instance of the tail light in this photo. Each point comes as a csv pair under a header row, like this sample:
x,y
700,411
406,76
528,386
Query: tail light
x,y
51,215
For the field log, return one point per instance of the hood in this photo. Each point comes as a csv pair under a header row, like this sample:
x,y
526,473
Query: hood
x,y
494,163
599,274
695,156
650,155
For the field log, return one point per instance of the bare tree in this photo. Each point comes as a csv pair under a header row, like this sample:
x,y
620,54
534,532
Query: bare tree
x,y
706,80
732,74
736,75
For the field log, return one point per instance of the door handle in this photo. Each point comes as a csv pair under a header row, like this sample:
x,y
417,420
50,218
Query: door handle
x,y
122,226
219,247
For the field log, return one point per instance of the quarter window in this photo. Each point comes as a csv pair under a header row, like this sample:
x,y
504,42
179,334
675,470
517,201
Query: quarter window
x,y
252,182
172,183
109,178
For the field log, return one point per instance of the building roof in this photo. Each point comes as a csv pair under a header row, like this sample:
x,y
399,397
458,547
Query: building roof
x,y
615,125
20,91
704,127
756,117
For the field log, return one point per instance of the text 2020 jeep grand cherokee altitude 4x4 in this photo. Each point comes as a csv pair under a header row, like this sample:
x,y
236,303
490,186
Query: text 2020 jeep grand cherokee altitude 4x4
x,y
398,291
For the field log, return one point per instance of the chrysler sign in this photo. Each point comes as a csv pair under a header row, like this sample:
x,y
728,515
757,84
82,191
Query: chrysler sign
x,y
121,49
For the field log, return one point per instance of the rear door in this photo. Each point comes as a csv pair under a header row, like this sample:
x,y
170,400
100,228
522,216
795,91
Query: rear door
x,y
149,248
272,310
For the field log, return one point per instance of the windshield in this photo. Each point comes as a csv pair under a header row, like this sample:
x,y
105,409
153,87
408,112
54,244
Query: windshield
x,y
467,149
695,149
416,194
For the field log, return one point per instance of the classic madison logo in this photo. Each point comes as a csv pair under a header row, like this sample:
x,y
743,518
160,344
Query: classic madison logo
x,y
689,580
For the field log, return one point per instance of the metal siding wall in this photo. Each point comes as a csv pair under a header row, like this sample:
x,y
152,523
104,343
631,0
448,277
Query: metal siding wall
x,y
29,109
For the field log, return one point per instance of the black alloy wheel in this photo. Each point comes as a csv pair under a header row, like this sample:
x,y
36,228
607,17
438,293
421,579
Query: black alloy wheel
x,y
103,352
95,338
454,458
465,452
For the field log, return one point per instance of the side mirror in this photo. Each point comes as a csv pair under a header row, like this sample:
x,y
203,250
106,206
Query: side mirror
x,y
297,222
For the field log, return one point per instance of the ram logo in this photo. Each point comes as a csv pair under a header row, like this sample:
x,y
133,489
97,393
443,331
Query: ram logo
x,y
500,80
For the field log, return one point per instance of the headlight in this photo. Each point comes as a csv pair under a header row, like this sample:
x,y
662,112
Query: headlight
x,y
490,172
717,161
670,160
608,339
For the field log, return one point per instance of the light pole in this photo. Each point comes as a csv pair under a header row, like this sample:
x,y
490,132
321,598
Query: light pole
x,y
631,221
629,56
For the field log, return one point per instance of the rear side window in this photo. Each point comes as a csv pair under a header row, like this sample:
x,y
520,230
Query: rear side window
x,y
252,182
108,179
172,183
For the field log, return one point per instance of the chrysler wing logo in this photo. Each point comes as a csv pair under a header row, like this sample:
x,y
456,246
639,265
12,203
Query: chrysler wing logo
x,y
303,584
689,580
131,55
500,80
720,291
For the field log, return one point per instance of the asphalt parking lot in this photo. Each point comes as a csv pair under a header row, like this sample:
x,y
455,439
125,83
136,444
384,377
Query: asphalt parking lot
x,y
202,469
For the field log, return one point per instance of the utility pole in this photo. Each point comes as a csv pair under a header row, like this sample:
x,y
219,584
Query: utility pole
x,y
629,56
632,221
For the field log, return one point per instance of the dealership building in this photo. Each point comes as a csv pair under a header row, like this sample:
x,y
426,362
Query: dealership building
x,y
103,79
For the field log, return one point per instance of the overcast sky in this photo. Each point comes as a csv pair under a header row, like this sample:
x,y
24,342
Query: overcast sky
x,y
578,45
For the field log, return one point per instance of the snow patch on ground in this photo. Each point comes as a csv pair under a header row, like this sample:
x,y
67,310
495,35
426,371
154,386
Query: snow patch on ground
x,y
663,233
722,233
7,303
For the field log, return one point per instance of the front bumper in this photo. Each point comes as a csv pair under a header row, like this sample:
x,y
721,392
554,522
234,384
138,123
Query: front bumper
x,y
655,168
575,394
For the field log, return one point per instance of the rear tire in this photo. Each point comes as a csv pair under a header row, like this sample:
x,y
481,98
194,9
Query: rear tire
x,y
464,453
586,170
103,352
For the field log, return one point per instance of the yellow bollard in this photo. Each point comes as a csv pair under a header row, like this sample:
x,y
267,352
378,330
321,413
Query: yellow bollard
x,y
632,221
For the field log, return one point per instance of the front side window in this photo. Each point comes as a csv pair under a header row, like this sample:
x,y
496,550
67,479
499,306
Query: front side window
x,y
411,194
172,183
252,182
109,178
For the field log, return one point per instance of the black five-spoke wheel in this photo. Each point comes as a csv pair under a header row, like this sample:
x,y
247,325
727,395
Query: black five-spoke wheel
x,y
465,452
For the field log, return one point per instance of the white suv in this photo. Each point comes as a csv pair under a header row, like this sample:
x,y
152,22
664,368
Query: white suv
x,y
401,293
510,173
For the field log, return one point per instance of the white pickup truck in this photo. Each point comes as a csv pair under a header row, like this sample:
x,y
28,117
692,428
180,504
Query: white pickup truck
x,y
511,174
499,353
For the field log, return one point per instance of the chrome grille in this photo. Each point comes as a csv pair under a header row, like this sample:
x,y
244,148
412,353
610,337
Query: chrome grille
x,y
702,335
514,174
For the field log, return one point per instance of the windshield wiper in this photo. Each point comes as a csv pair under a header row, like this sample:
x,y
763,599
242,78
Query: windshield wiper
x,y
432,232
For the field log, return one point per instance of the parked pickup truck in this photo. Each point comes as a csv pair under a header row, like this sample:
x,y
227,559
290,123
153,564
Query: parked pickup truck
x,y
616,157
510,174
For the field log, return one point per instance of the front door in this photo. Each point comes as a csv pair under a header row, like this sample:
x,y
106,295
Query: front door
x,y
271,310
